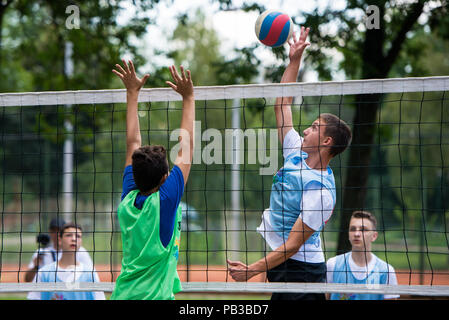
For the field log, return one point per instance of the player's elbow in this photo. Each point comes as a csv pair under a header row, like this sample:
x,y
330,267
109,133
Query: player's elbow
x,y
133,143
291,248
295,241
187,144
185,154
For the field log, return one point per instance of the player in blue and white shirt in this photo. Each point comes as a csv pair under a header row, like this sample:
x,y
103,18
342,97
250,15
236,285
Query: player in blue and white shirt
x,y
302,196
68,269
360,266
53,252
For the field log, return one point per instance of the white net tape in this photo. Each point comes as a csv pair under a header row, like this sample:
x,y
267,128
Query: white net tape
x,y
308,89
248,287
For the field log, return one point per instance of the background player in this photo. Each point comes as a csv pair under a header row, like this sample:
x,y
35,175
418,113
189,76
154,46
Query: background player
x,y
68,269
360,266
53,252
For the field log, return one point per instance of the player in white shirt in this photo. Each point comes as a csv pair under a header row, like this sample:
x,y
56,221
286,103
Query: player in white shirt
x,y
360,266
67,270
51,253
302,195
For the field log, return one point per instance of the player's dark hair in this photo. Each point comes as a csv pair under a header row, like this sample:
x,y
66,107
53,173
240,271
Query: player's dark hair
x,y
365,215
69,225
339,131
150,165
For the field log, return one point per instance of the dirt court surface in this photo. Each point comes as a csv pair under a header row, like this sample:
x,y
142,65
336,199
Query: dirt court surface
x,y
201,273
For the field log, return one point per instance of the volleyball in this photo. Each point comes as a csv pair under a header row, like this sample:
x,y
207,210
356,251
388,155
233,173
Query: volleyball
x,y
274,28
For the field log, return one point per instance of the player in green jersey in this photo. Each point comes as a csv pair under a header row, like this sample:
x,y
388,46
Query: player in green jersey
x,y
149,213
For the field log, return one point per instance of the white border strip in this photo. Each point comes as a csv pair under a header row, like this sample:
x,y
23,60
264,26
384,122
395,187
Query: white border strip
x,y
421,290
305,89
247,287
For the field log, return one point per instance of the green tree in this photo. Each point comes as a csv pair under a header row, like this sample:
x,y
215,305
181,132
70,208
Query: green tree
x,y
197,47
417,152
33,36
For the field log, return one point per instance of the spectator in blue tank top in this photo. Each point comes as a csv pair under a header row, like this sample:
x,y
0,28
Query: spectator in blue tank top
x,y
68,269
360,266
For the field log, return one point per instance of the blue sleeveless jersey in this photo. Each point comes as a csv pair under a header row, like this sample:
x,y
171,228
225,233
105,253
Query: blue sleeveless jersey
x,y
48,274
286,192
342,274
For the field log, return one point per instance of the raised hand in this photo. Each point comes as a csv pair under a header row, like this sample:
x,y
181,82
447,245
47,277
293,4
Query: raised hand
x,y
183,83
127,74
297,46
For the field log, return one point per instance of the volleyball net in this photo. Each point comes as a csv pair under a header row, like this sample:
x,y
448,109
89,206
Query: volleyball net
x,y
62,156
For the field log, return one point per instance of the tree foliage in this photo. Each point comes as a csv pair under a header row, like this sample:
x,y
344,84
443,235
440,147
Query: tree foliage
x,y
32,50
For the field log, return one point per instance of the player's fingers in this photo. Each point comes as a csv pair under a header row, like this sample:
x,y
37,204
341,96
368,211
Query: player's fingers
x,y
233,276
294,37
176,74
125,65
119,67
171,72
133,70
232,263
189,76
145,78
118,73
171,84
237,266
306,34
304,45
183,73
237,277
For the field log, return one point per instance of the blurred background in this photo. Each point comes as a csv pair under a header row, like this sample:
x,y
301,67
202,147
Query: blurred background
x,y
396,163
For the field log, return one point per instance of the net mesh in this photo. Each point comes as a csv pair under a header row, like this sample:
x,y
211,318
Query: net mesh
x,y
62,155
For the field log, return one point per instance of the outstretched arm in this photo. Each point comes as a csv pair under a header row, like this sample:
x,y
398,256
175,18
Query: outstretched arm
x,y
184,86
133,84
298,236
282,106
